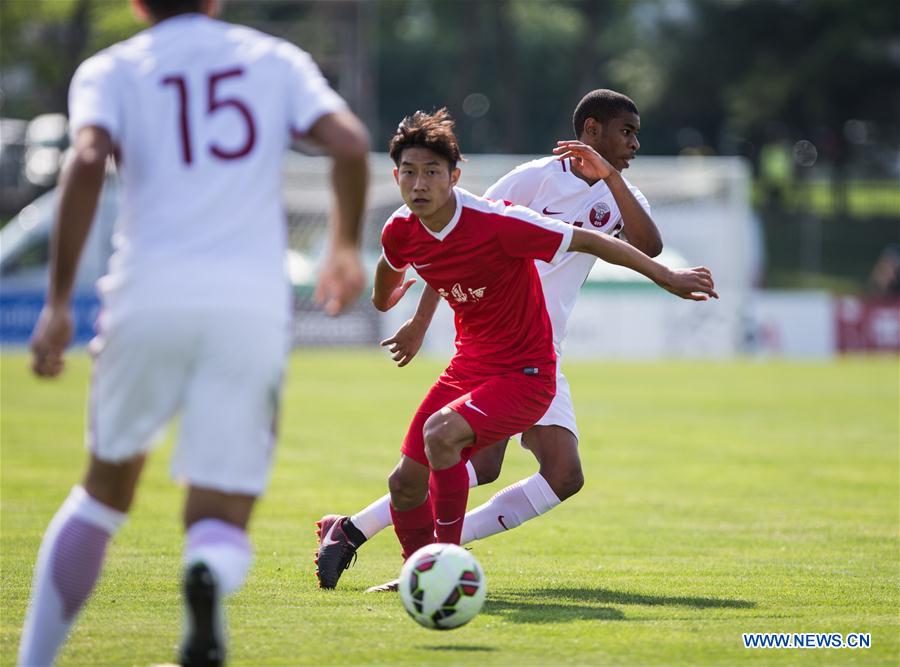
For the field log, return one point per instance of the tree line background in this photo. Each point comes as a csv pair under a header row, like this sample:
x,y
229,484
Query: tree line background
x,y
808,90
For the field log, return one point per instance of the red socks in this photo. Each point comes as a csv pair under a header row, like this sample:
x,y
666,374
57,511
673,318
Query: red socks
x,y
414,528
449,489
440,515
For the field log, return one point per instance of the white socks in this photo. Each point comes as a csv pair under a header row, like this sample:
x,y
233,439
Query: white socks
x,y
509,508
68,566
71,557
473,478
377,516
224,548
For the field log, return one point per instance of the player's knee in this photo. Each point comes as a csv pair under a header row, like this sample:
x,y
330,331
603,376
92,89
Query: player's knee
x,y
403,493
439,443
396,484
435,453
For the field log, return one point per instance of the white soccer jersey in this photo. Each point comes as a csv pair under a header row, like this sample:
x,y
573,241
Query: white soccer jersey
x,y
201,112
548,186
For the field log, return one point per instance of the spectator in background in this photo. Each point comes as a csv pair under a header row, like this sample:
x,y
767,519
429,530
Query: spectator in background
x,y
884,280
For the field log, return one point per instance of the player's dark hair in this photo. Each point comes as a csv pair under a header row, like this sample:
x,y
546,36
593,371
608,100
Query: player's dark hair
x,y
602,105
164,8
432,131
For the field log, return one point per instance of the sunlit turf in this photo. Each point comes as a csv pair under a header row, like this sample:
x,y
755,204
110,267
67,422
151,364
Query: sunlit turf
x,y
721,498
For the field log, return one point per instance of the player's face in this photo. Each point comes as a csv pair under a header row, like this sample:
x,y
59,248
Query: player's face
x,y
426,181
616,140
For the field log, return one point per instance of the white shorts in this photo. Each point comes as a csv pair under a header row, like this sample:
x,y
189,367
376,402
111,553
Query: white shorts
x,y
561,411
222,371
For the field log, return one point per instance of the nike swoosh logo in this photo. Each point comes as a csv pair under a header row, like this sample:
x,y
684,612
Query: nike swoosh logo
x,y
421,266
545,212
448,523
500,519
471,405
326,540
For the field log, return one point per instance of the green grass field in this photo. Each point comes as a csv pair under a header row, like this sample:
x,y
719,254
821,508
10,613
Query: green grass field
x,y
721,498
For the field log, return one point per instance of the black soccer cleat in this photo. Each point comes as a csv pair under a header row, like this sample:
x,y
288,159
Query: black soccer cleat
x,y
204,641
336,552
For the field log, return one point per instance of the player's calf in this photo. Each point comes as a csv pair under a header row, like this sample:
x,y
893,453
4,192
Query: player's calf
x,y
408,484
565,483
556,449
488,462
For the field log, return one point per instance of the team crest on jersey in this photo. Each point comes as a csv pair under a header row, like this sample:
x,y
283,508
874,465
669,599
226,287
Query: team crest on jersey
x,y
600,214
461,295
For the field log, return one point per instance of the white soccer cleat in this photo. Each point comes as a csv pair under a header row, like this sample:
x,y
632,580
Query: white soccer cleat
x,y
388,587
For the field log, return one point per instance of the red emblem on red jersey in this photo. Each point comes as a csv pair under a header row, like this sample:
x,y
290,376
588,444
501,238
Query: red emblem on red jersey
x,y
600,214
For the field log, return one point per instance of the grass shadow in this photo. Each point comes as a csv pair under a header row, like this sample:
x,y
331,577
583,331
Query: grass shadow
x,y
561,605
609,596
468,648
522,608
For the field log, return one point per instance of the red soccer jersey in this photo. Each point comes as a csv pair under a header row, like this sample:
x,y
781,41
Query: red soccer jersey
x,y
482,263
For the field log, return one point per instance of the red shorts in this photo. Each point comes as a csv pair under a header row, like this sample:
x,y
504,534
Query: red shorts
x,y
496,406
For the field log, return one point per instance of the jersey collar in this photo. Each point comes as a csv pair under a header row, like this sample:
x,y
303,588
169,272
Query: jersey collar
x,y
445,232
569,176
181,21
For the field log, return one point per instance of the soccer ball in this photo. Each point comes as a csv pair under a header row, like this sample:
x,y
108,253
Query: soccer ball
x,y
442,586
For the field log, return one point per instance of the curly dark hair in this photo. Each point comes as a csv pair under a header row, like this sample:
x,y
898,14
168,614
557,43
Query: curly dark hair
x,y
602,105
432,131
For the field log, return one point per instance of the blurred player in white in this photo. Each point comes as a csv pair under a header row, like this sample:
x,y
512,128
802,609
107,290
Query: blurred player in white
x,y
196,304
587,191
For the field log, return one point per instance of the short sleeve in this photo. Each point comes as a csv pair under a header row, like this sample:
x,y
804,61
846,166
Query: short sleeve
x,y
524,233
516,187
310,95
389,249
93,98
642,200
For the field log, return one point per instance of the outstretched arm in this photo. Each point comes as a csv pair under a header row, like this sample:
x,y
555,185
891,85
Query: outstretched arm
x,y
640,230
405,344
80,188
696,283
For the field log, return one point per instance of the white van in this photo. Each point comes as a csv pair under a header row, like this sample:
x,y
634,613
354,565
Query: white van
x,y
24,268
24,261
24,244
